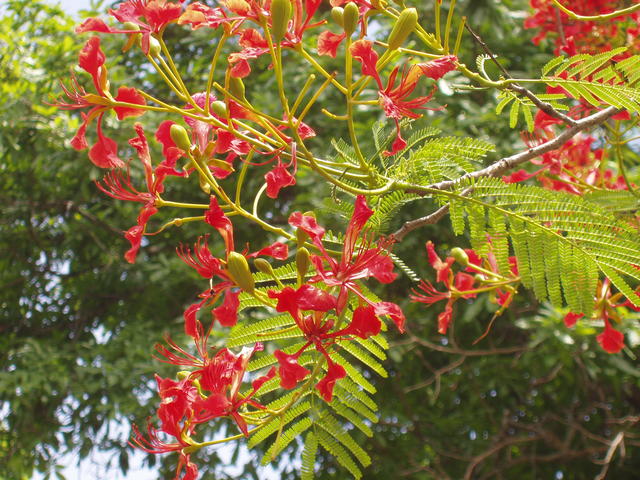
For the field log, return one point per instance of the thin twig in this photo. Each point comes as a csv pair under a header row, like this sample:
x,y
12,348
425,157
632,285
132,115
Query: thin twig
x,y
618,441
544,106
513,161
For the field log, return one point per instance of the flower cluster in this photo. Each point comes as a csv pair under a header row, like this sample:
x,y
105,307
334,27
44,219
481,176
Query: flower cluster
x,y
580,36
478,276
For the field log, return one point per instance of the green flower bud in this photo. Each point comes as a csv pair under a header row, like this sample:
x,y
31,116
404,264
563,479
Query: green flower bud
x,y
337,15
154,47
180,137
280,16
236,88
303,261
460,255
263,266
131,26
350,18
238,269
405,24
219,108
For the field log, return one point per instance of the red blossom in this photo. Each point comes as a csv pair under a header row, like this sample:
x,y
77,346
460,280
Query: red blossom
x,y
439,67
199,15
328,43
334,373
215,217
571,318
290,371
611,340
128,95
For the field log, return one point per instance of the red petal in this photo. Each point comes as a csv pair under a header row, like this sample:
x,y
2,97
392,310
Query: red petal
x,y
278,250
328,43
325,386
218,220
278,178
227,313
363,51
290,371
437,68
104,153
129,95
611,340
444,319
571,318
307,224
394,311
364,323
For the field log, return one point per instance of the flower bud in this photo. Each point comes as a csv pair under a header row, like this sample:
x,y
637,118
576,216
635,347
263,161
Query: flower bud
x,y
238,269
280,16
180,137
219,108
303,261
154,47
236,88
263,266
337,15
350,18
405,24
460,256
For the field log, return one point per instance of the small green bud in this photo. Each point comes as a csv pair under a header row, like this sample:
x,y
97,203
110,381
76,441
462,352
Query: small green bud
x,y
280,16
303,261
238,269
154,47
180,137
460,255
131,26
337,14
263,266
219,108
350,18
236,88
405,24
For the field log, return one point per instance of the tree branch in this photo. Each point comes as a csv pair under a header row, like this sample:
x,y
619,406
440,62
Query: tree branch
x,y
512,161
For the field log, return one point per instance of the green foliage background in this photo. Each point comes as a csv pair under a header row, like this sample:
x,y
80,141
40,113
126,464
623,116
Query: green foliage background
x,y
78,324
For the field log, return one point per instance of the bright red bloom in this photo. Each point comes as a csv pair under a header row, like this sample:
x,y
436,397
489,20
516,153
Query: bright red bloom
x,y
290,371
151,16
104,153
611,340
364,323
356,262
334,373
328,43
118,185
571,318
218,220
438,68
199,15
279,178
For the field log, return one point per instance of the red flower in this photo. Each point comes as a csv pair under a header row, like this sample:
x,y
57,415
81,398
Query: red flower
x,y
328,43
364,323
119,186
439,67
611,340
355,264
334,373
199,15
104,153
290,371
571,318
157,13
